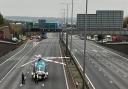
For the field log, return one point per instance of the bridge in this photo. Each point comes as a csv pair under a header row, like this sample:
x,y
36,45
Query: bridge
x,y
124,31
45,30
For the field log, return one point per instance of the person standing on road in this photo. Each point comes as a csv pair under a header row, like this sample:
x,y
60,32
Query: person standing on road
x,y
23,78
36,78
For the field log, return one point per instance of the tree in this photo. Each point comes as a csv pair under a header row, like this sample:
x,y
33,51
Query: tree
x,y
1,19
125,22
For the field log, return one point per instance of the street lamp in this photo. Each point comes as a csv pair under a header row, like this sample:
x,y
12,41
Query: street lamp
x,y
71,27
67,31
63,24
67,12
66,28
85,42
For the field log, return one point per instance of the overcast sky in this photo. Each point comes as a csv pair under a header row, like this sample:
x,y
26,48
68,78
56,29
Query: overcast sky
x,y
54,8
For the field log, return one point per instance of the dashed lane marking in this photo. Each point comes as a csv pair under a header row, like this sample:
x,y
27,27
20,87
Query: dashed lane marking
x,y
110,51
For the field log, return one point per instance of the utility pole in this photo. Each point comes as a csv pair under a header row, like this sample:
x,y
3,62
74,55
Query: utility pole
x,y
65,28
67,31
71,27
85,37
63,25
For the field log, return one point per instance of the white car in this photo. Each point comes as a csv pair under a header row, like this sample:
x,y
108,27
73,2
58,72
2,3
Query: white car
x,y
14,39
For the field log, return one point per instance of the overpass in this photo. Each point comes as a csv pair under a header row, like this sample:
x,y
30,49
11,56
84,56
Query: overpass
x,y
124,31
45,30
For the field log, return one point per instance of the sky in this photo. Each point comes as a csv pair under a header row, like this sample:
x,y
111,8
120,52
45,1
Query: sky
x,y
55,8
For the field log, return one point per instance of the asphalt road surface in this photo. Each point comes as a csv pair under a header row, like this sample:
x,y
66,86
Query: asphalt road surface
x,y
105,69
10,71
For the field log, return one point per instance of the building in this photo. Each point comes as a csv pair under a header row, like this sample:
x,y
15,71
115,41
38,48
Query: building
x,y
103,20
16,29
41,23
109,19
4,33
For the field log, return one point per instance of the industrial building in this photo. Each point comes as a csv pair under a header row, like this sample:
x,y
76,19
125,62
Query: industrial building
x,y
103,20
16,29
4,33
44,25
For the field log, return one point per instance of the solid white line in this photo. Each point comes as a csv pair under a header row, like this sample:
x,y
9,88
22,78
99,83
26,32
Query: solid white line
x,y
85,73
15,65
94,51
82,69
14,54
6,42
64,70
109,51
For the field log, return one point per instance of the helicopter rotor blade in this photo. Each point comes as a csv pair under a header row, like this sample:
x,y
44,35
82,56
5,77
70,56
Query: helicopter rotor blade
x,y
46,59
54,61
55,57
27,63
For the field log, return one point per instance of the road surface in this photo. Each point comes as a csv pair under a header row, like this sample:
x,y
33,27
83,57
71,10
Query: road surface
x,y
10,73
105,69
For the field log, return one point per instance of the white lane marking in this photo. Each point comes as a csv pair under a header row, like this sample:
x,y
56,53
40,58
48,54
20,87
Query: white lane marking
x,y
82,68
43,85
35,43
74,50
111,81
21,85
94,51
109,51
104,51
83,51
85,73
64,69
14,54
15,65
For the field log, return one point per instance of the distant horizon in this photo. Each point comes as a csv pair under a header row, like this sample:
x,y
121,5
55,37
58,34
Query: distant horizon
x,y
37,16
32,16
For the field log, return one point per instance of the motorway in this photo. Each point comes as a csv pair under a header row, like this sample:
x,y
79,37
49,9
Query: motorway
x,y
10,71
105,69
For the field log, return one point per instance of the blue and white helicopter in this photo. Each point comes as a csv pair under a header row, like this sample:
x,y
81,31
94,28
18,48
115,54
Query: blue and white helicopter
x,y
40,66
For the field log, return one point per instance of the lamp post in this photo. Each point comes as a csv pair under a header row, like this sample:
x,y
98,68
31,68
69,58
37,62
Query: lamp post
x,y
67,31
71,27
85,37
66,28
63,24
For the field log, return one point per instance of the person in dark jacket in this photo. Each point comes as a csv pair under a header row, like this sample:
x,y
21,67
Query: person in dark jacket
x,y
36,78
23,78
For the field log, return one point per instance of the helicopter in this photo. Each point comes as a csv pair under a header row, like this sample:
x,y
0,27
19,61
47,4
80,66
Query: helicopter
x,y
39,65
